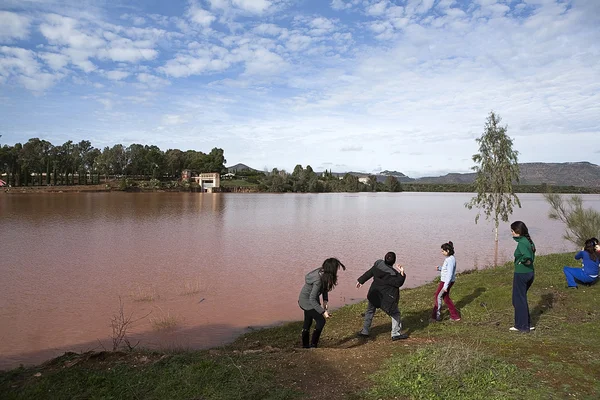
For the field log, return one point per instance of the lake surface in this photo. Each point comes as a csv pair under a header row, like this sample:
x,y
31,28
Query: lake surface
x,y
209,266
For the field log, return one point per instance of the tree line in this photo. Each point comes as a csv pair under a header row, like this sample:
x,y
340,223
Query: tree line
x,y
40,162
306,180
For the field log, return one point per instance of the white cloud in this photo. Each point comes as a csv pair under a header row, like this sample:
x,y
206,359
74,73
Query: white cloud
x,y
54,60
151,81
13,26
117,75
173,119
343,4
21,64
64,31
377,9
199,15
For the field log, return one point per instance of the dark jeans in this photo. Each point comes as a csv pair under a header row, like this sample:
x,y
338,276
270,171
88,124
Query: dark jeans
x,y
521,284
309,315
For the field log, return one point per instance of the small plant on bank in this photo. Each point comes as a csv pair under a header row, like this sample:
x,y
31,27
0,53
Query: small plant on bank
x,y
121,324
164,321
194,287
144,294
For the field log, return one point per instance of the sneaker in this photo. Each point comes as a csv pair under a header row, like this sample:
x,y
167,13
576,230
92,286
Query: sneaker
x,y
455,319
513,329
434,320
400,337
532,328
572,287
362,335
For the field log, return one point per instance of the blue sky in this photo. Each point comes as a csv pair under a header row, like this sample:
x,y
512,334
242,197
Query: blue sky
x,y
362,85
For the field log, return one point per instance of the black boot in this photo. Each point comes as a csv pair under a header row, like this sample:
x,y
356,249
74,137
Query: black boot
x,y
305,336
315,338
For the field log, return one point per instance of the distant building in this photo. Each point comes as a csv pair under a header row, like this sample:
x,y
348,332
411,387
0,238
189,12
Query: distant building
x,y
207,181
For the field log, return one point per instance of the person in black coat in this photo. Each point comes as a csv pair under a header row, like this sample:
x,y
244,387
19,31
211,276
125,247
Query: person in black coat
x,y
384,293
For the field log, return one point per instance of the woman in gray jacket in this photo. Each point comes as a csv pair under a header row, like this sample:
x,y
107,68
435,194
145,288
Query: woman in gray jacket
x,y
316,283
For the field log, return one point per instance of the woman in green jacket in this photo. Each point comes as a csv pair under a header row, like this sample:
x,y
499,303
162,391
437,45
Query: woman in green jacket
x,y
523,276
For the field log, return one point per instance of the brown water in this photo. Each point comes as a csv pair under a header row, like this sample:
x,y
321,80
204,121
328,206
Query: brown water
x,y
65,259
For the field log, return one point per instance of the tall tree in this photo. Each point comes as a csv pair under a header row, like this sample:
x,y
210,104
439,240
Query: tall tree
x,y
373,183
392,184
497,168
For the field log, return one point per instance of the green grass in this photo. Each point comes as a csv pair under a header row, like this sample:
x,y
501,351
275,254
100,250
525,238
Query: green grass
x,y
237,183
180,376
477,358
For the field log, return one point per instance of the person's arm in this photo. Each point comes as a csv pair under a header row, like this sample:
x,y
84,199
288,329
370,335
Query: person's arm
x,y
313,298
325,299
579,255
364,277
398,279
450,265
526,254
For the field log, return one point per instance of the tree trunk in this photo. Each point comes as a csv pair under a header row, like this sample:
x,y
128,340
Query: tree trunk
x,y
496,246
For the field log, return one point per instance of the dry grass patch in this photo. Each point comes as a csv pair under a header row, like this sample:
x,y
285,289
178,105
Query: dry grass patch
x,y
164,320
193,287
144,294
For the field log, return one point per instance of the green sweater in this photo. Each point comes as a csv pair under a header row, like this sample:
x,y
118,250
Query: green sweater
x,y
524,255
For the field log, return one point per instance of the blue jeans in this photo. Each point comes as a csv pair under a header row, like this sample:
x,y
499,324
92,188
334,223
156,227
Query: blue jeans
x,y
577,273
521,284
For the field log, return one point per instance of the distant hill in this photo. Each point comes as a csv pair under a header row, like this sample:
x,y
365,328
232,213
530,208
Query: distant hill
x,y
240,167
559,174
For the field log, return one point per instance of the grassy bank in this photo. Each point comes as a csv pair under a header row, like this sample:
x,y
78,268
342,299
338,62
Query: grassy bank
x,y
475,358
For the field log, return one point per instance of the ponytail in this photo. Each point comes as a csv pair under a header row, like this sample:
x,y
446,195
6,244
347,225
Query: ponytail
x,y
449,247
531,242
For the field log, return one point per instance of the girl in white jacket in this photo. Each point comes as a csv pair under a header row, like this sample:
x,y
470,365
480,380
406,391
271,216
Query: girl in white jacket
x,y
447,277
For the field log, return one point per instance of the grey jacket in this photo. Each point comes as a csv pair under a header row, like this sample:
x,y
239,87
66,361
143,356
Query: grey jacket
x,y
312,289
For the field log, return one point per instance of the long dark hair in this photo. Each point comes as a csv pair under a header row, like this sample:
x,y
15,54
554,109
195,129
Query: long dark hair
x,y
520,228
449,247
590,247
329,272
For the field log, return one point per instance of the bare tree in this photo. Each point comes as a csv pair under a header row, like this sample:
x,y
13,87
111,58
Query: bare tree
x,y
497,168
120,325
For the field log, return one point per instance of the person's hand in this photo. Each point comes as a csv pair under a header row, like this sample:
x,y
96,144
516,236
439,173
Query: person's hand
x,y
358,285
326,314
437,268
401,270
444,290
325,305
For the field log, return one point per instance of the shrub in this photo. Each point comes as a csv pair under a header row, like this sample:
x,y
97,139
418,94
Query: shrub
x,y
580,224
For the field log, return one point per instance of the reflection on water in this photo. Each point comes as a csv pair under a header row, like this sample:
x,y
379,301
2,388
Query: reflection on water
x,y
210,265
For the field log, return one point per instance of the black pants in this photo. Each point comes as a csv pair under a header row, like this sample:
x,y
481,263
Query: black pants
x,y
521,284
309,315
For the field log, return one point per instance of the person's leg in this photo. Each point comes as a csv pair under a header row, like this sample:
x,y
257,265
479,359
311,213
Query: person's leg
x,y
368,319
454,315
519,300
528,284
396,321
320,320
435,314
306,329
576,274
568,271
